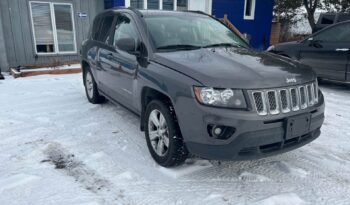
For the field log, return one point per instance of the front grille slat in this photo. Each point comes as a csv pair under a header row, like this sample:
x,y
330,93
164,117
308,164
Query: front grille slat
x,y
285,100
316,92
272,102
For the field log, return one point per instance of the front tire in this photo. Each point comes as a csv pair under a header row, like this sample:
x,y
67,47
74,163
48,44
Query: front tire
x,y
91,90
163,136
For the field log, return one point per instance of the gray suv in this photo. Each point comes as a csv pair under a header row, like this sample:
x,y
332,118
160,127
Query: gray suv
x,y
198,87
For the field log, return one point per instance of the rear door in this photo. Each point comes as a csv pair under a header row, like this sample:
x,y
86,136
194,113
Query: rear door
x,y
327,52
103,37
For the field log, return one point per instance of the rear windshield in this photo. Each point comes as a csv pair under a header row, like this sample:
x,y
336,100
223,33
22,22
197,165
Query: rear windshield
x,y
190,30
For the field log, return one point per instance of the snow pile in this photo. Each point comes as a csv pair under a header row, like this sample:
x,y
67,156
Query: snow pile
x,y
56,148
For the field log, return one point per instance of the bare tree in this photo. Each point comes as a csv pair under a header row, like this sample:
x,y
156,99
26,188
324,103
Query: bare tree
x,y
311,6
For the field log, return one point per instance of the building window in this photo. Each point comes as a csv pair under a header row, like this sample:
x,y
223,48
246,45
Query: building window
x,y
182,5
152,4
249,9
170,5
138,4
53,27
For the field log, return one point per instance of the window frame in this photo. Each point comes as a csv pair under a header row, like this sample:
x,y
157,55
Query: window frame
x,y
54,31
252,14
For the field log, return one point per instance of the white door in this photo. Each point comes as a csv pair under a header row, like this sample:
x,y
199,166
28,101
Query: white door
x,y
200,5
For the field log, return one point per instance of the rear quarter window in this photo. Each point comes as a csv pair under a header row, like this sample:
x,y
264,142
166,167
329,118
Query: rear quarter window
x,y
327,19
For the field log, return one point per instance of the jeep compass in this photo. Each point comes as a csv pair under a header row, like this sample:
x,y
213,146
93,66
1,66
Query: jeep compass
x,y
198,87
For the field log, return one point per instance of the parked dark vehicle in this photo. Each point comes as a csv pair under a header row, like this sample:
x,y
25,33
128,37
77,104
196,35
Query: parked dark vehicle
x,y
326,51
198,87
328,19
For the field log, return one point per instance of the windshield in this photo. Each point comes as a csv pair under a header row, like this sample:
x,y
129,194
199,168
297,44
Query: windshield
x,y
190,32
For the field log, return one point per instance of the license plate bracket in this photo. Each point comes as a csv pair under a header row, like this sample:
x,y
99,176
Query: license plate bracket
x,y
297,126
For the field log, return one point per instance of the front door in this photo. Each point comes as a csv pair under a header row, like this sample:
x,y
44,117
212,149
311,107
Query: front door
x,y
119,67
328,52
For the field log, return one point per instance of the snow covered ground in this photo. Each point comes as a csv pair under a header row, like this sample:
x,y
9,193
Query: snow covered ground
x,y
56,148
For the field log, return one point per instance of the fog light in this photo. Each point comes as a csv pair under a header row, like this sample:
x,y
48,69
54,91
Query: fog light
x,y
217,131
220,132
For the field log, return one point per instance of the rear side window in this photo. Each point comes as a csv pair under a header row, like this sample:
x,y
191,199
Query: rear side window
x,y
327,19
95,28
343,17
339,33
102,27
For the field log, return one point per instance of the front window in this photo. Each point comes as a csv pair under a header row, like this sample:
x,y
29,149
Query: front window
x,y
335,34
53,27
125,28
191,31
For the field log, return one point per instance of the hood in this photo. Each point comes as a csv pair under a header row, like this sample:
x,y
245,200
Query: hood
x,y
237,68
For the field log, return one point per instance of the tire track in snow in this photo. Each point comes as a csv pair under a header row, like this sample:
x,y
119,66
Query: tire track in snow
x,y
88,178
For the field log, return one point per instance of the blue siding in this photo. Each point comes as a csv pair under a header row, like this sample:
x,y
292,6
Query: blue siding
x,y
259,28
114,3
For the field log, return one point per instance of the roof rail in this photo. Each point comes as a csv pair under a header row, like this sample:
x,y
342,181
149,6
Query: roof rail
x,y
128,8
136,11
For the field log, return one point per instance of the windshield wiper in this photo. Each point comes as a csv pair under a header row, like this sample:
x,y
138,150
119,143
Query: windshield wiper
x,y
179,47
222,45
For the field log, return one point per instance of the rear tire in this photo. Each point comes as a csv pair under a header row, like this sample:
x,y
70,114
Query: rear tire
x,y
161,129
91,90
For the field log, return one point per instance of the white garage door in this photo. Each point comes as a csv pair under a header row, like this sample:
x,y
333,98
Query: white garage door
x,y
200,5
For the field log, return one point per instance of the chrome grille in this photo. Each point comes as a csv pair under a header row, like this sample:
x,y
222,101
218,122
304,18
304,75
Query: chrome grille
x,y
284,100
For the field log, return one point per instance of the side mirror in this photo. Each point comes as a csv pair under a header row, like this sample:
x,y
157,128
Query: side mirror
x,y
314,43
128,45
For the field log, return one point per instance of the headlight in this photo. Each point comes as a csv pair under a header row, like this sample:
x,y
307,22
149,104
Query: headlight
x,y
271,48
220,97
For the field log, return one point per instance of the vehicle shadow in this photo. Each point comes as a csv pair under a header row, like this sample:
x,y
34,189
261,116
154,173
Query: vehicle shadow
x,y
339,86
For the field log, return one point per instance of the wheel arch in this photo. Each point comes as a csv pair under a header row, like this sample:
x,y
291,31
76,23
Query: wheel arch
x,y
147,95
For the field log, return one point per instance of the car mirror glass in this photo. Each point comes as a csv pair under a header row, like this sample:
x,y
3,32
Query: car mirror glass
x,y
128,45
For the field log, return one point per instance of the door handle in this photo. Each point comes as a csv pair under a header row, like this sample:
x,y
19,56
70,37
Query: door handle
x,y
342,49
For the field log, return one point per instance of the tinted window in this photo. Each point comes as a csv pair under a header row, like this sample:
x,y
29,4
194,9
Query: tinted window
x,y
340,33
343,17
327,19
125,28
95,28
105,27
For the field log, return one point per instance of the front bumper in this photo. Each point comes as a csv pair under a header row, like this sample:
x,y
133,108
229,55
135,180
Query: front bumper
x,y
255,136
